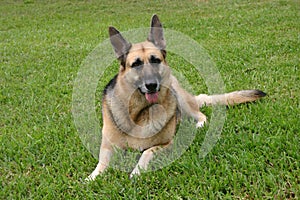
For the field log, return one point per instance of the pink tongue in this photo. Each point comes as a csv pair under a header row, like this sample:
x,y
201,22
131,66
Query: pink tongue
x,y
152,97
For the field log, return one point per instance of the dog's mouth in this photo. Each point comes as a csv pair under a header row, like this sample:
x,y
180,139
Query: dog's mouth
x,y
151,92
152,97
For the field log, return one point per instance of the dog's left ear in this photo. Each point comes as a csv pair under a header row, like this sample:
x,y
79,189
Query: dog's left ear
x,y
156,35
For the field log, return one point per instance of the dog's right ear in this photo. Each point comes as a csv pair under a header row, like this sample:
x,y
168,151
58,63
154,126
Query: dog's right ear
x,y
120,45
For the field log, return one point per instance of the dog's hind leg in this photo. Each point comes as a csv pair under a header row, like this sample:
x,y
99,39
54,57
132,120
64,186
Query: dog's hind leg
x,y
188,104
190,108
147,155
201,119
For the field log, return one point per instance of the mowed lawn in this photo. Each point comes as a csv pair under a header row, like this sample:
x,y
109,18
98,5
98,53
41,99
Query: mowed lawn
x,y
254,45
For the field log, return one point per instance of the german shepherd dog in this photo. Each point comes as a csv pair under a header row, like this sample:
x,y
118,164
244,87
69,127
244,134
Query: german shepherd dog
x,y
143,103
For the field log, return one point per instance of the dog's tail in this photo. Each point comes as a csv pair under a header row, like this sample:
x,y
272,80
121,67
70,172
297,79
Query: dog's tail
x,y
231,98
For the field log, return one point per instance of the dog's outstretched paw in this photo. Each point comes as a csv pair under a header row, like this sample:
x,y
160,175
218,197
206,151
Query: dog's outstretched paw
x,y
136,172
91,177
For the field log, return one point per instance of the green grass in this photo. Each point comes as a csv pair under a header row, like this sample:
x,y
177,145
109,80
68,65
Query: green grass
x,y
254,45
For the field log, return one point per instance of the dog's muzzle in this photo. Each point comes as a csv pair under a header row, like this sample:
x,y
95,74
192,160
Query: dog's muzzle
x,y
151,91
152,87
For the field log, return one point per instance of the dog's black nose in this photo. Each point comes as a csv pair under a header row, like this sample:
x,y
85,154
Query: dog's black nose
x,y
151,87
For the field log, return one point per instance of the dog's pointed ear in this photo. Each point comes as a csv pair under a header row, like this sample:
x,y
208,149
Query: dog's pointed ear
x,y
156,35
120,45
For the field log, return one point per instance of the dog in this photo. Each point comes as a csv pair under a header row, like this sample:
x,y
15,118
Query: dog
x,y
144,102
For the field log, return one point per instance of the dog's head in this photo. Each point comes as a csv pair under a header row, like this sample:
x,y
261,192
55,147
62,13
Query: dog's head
x,y
143,65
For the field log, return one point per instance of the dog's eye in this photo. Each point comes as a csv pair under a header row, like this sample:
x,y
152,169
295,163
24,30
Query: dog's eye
x,y
137,63
155,60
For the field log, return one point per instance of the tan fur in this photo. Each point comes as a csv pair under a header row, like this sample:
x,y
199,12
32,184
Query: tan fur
x,y
231,98
129,120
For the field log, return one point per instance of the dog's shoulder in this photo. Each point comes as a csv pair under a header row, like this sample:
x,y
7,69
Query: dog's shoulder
x,y
111,85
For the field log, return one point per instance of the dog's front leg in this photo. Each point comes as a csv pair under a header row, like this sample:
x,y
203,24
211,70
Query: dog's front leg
x,y
146,157
104,158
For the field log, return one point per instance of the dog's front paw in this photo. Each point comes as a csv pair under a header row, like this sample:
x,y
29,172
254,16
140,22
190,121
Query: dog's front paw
x,y
92,176
135,172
